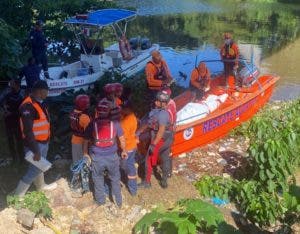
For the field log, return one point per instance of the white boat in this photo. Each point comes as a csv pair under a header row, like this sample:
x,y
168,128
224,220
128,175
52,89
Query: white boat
x,y
94,61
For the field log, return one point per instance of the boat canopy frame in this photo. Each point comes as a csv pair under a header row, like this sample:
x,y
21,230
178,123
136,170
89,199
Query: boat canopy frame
x,y
99,20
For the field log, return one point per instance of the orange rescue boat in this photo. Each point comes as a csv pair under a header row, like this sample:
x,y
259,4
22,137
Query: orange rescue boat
x,y
239,106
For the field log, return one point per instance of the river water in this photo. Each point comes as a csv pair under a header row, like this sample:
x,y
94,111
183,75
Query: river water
x,y
191,30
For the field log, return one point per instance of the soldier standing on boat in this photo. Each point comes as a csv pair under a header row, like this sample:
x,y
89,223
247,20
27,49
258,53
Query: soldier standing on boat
x,y
31,72
39,45
230,56
200,80
158,75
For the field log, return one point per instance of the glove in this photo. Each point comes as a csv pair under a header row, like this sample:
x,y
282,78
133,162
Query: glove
x,y
151,149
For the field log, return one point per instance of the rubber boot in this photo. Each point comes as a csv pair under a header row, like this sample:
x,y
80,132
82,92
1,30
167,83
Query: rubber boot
x,y
40,183
21,189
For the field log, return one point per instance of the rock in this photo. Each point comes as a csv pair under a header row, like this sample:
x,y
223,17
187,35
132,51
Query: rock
x,y
222,161
222,149
42,230
211,153
143,211
226,175
296,228
183,155
135,211
25,217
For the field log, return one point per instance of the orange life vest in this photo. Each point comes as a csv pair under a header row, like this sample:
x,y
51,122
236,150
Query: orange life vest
x,y
41,126
161,72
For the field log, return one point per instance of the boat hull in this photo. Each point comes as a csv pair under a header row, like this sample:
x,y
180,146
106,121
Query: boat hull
x,y
222,121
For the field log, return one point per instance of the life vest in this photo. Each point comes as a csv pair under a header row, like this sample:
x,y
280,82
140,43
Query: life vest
x,y
74,123
161,72
41,126
171,108
228,52
104,133
125,49
200,77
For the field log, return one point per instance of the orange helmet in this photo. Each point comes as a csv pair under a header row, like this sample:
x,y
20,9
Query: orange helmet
x,y
82,102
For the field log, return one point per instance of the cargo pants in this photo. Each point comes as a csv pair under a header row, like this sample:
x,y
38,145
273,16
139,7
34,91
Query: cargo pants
x,y
112,165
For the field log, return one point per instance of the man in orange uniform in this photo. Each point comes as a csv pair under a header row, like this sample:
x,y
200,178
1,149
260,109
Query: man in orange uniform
x,y
79,120
129,126
35,128
230,56
157,74
200,80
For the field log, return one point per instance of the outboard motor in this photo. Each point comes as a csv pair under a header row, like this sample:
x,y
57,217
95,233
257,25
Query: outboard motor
x,y
145,43
134,43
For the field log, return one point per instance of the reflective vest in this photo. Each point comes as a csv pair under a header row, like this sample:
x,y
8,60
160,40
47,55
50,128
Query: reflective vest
x,y
41,126
104,133
171,108
74,123
161,72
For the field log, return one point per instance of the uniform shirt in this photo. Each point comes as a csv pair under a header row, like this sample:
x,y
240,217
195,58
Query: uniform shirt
x,y
151,72
28,115
11,102
38,42
97,152
31,73
163,118
129,126
84,121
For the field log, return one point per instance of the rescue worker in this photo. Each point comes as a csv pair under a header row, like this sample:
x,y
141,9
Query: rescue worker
x,y
39,46
172,111
200,80
103,134
158,75
111,100
129,126
161,140
35,128
11,102
230,56
79,120
31,72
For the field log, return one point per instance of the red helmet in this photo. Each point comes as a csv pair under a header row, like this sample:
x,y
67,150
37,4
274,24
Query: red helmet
x,y
167,90
118,87
82,102
103,109
109,88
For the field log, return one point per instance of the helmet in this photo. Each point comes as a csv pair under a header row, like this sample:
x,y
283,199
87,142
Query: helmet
x,y
167,90
118,87
162,97
109,88
102,109
82,102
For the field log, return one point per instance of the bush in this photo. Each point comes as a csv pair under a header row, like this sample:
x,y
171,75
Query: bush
x,y
37,202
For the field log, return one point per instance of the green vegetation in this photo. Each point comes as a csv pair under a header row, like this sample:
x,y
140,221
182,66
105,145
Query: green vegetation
x,y
268,192
188,216
37,202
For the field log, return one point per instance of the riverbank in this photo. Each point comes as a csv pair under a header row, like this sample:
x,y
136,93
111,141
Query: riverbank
x,y
225,158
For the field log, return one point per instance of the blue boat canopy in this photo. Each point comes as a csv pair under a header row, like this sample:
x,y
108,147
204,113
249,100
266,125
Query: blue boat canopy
x,y
101,18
